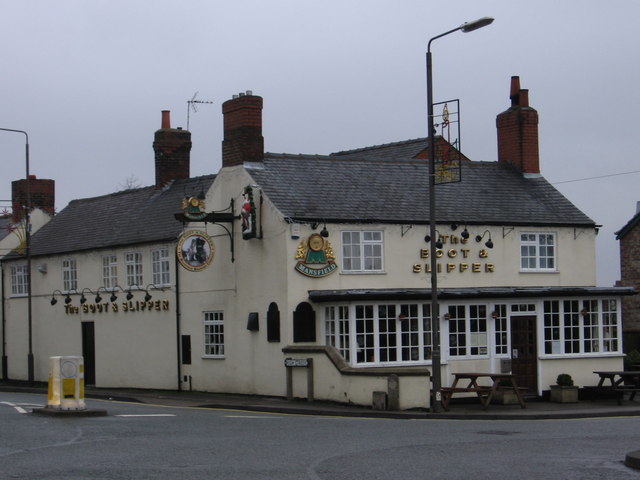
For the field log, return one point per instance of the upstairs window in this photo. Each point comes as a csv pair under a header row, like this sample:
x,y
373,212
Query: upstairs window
x,y
109,271
362,251
19,280
69,275
537,252
133,262
160,267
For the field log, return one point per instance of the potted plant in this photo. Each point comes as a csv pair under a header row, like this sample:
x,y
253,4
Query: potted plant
x,y
564,391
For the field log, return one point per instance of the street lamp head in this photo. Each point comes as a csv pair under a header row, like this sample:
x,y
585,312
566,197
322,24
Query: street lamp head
x,y
476,24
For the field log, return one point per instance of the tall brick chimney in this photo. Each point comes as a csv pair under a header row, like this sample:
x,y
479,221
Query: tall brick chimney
x,y
518,132
172,147
243,141
41,191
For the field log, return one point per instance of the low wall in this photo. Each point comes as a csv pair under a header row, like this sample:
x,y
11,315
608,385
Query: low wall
x,y
334,380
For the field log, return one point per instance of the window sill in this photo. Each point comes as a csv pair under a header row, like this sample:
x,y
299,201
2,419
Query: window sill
x,y
363,272
212,357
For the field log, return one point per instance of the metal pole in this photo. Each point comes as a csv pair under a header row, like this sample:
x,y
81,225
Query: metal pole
x,y
436,380
436,374
27,228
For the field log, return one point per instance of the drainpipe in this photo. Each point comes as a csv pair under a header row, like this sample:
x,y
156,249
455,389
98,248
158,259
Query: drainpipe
x,y
178,347
5,368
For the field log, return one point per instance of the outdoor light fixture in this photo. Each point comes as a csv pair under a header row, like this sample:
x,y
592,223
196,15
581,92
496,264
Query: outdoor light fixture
x,y
83,299
439,244
147,295
324,232
488,243
54,300
465,233
314,225
67,299
129,294
436,374
98,298
113,296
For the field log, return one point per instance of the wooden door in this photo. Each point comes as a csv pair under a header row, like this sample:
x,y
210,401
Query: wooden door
x,y
89,352
524,353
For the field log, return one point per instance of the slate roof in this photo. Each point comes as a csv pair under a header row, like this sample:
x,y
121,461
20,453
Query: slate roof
x,y
630,225
384,184
141,215
5,223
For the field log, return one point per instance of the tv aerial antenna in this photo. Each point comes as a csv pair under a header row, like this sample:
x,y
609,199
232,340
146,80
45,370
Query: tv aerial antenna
x,y
191,104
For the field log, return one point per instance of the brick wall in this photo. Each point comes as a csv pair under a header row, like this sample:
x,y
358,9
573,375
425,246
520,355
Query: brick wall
x,y
243,141
42,193
172,148
630,277
518,132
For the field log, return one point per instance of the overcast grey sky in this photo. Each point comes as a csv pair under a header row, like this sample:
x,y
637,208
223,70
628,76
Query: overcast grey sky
x,y
88,79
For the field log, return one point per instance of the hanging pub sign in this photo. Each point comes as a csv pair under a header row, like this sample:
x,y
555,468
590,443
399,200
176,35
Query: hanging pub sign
x,y
315,257
193,208
195,250
448,158
248,214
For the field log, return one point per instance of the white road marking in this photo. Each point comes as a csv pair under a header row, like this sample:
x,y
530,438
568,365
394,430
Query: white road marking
x,y
148,415
18,408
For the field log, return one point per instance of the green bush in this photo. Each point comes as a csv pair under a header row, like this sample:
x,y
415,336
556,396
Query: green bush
x,y
564,380
631,359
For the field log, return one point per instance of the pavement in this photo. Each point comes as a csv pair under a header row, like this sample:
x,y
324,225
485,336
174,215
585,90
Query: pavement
x,y
459,409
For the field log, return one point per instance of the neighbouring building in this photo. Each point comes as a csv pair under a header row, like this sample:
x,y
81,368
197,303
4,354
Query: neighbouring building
x,y
281,265
629,237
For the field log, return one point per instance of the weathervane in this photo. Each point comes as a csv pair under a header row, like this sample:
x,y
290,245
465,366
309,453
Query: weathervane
x,y
191,104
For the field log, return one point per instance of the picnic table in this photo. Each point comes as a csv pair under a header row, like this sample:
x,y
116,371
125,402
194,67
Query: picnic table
x,y
619,382
505,381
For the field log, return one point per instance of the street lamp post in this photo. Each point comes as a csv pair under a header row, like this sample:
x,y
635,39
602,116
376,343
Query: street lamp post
x,y
27,237
436,379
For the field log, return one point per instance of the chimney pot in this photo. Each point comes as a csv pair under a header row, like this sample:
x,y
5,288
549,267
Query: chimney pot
x,y
515,90
166,119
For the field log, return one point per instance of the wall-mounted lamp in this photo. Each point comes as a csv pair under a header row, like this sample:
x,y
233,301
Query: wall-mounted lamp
x,y
488,243
113,296
98,298
439,244
324,232
67,299
454,226
315,225
83,299
465,233
129,294
54,300
147,295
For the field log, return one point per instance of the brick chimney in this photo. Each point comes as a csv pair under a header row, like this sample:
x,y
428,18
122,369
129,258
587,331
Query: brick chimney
x,y
41,191
518,132
172,147
243,141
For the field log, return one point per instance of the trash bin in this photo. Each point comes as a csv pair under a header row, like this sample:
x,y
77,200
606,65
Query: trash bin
x,y
66,383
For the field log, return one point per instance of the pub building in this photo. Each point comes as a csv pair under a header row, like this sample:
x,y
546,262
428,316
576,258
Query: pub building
x,y
309,275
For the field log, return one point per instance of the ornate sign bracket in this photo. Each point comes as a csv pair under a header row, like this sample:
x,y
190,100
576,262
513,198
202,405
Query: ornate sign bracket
x,y
192,213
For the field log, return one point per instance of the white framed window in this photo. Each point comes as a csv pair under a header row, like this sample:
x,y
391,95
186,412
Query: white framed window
x,y
386,333
133,264
69,275
468,334
109,271
501,329
19,280
214,334
537,252
336,320
576,327
160,267
362,251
